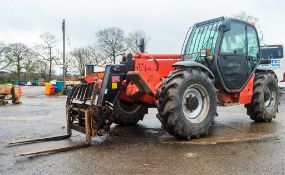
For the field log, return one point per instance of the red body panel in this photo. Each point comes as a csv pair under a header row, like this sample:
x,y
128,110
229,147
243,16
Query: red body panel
x,y
227,98
243,97
152,68
160,63
246,94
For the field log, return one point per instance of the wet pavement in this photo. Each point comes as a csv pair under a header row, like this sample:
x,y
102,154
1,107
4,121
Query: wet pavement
x,y
235,144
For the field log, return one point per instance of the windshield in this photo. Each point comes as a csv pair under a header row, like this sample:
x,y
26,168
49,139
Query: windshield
x,y
202,36
272,52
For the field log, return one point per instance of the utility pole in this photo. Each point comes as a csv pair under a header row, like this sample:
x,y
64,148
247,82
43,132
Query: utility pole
x,y
63,52
50,62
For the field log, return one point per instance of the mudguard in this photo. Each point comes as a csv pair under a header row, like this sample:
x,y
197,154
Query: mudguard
x,y
194,64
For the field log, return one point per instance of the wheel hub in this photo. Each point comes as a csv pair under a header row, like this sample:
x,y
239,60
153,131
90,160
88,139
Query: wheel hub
x,y
192,103
269,97
195,103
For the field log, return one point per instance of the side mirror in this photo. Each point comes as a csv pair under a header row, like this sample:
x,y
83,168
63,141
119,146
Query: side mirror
x,y
205,52
225,27
264,61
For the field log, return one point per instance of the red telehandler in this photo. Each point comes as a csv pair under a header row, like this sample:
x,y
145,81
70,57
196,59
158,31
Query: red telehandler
x,y
218,66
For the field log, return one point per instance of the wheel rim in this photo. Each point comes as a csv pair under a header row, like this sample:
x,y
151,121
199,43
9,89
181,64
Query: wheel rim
x,y
269,97
195,103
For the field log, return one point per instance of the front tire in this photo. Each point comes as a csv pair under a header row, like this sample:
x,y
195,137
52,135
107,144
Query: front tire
x,y
264,104
187,103
128,114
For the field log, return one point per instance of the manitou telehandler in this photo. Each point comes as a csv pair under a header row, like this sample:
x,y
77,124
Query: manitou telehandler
x,y
218,66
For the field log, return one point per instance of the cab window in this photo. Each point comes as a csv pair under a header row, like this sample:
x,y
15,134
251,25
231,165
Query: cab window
x,y
253,49
234,41
272,52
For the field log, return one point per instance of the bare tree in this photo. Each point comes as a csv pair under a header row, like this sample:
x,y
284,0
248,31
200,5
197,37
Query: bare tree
x,y
29,64
42,68
48,46
111,42
87,55
253,20
2,55
82,58
96,57
133,40
15,55
70,63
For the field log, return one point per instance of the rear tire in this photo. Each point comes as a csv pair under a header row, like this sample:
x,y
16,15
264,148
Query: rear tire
x,y
264,104
187,103
127,114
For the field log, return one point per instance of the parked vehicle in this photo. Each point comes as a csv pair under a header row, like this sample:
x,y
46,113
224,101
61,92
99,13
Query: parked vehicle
x,y
219,66
275,53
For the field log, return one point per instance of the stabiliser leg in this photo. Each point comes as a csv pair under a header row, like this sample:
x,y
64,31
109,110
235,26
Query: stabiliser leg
x,y
59,149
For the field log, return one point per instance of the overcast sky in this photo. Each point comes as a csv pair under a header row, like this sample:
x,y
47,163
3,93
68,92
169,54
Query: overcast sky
x,y
165,21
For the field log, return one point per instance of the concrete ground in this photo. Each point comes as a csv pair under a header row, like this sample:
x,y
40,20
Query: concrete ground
x,y
235,144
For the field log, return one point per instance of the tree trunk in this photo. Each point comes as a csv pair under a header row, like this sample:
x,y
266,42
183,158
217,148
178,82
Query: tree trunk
x,y
82,70
25,76
18,70
50,63
114,58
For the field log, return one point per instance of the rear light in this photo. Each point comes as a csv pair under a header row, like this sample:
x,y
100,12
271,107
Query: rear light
x,y
205,52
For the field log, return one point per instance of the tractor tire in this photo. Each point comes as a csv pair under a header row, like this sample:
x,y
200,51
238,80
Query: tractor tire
x,y
187,103
264,103
127,114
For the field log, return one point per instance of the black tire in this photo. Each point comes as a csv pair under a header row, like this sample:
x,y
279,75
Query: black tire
x,y
13,101
127,114
264,104
172,113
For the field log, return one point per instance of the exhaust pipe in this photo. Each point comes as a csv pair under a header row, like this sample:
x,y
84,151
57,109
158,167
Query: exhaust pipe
x,y
142,46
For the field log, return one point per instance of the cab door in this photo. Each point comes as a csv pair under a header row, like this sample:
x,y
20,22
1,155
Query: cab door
x,y
232,60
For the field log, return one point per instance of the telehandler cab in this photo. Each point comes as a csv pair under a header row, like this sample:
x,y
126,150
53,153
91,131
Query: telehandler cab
x,y
218,66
